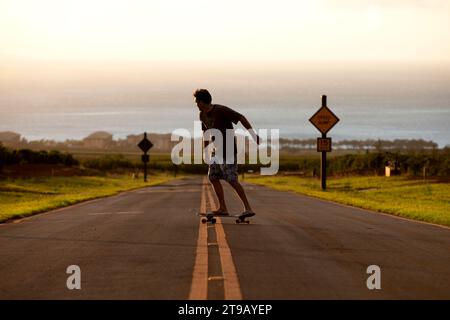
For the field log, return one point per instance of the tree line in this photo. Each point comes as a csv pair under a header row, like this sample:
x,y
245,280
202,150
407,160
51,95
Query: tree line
x,y
413,163
26,156
368,144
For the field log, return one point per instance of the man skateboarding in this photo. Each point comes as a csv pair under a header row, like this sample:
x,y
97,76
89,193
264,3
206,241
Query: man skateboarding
x,y
215,116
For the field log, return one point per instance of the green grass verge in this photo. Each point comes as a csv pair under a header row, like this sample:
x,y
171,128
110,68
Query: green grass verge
x,y
415,199
25,197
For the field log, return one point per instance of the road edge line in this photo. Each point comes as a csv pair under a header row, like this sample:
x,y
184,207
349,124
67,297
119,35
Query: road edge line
x,y
371,211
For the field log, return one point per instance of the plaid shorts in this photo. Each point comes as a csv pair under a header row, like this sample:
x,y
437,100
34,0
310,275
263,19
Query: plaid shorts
x,y
227,172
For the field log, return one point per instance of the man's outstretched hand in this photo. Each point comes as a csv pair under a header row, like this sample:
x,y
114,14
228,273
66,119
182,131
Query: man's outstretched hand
x,y
258,140
255,137
248,126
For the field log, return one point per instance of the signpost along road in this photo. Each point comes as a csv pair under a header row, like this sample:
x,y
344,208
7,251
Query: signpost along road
x,y
145,145
324,119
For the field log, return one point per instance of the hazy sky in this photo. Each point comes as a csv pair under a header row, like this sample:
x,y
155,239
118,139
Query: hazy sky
x,y
281,31
144,57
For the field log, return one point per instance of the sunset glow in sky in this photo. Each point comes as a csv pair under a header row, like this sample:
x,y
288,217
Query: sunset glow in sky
x,y
222,31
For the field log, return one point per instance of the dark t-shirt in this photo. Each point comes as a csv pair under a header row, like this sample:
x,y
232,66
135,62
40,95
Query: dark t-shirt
x,y
220,118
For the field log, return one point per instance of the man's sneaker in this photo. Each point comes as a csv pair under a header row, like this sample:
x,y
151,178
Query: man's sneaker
x,y
247,214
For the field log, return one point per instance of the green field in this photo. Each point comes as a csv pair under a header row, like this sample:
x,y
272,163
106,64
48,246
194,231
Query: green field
x,y
24,197
410,198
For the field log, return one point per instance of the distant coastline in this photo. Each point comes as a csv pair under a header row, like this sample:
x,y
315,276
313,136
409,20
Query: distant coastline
x,y
104,141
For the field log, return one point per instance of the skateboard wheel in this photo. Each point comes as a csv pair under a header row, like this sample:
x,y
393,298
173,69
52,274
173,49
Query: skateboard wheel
x,y
238,221
203,220
213,220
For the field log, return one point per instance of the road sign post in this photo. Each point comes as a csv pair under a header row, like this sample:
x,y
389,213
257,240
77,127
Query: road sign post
x,y
324,119
323,167
145,145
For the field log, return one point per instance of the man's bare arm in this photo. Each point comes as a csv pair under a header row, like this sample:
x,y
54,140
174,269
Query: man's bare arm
x,y
248,126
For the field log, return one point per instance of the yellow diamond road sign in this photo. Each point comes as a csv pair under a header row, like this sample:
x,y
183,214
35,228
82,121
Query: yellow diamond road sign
x,y
324,119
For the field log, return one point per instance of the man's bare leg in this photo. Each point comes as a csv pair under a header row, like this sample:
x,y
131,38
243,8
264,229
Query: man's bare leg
x,y
219,192
241,193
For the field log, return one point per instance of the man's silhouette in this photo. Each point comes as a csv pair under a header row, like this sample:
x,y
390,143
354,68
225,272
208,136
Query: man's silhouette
x,y
214,116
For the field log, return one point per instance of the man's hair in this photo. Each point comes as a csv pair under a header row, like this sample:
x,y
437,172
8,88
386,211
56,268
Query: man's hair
x,y
202,95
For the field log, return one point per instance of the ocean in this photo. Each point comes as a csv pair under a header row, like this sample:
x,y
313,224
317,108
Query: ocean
x,y
371,104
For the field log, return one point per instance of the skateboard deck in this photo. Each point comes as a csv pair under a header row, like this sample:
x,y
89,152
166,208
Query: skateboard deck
x,y
211,217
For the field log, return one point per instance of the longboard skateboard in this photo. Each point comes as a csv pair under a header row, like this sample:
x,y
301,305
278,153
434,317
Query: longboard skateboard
x,y
211,217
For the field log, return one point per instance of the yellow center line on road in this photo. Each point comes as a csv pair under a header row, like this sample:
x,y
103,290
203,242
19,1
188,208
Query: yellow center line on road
x,y
200,276
199,286
232,289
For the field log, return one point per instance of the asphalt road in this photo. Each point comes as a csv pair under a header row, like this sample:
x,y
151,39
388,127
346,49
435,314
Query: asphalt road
x,y
149,244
